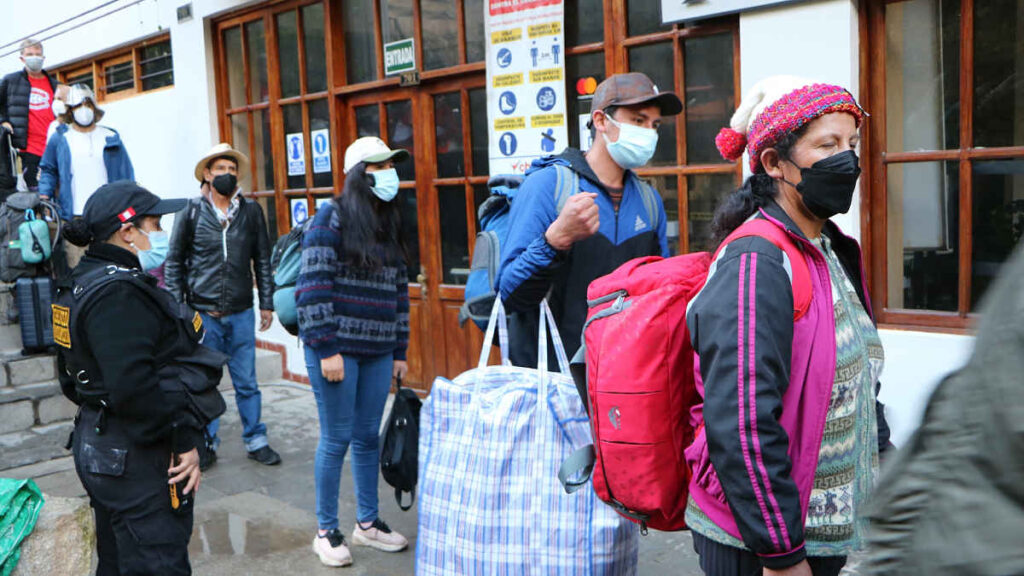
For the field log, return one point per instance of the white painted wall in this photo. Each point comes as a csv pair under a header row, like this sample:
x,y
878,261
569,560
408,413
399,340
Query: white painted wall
x,y
820,41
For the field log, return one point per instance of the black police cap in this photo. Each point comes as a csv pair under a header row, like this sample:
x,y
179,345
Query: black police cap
x,y
123,201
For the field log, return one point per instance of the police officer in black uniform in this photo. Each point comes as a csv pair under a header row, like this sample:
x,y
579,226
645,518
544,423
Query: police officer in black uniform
x,y
137,432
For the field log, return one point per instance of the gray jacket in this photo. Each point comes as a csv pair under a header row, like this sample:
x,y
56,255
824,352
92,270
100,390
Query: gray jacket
x,y
952,501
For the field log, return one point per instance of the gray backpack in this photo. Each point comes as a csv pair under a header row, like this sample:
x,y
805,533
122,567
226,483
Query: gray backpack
x,y
12,215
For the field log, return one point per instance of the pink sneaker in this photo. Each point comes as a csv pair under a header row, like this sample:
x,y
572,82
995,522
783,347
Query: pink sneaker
x,y
379,536
331,549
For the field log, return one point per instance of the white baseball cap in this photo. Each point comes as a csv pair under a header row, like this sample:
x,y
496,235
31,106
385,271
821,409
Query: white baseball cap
x,y
372,150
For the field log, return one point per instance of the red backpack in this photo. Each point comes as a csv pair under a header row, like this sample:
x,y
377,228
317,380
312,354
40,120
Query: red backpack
x,y
640,380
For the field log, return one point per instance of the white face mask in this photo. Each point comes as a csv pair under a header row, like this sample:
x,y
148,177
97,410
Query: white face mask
x,y
84,116
34,63
635,146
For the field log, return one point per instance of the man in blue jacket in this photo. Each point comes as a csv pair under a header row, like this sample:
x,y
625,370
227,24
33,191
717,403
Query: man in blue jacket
x,y
80,157
611,218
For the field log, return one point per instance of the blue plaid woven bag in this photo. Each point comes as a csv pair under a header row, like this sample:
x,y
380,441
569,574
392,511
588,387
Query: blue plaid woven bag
x,y
491,443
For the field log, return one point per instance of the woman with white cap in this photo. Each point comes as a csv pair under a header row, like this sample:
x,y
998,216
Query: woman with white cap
x,y
353,307
790,430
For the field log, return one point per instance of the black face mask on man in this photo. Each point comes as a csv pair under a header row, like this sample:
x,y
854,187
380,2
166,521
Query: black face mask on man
x,y
225,184
827,186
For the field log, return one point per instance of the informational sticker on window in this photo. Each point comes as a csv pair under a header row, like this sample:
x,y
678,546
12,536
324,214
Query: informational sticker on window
x,y
399,57
526,109
299,210
296,154
321,142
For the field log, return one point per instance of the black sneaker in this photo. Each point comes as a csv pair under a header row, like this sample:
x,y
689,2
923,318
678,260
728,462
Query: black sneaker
x,y
207,458
265,456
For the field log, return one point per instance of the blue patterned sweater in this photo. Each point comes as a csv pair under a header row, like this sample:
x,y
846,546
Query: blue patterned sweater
x,y
348,309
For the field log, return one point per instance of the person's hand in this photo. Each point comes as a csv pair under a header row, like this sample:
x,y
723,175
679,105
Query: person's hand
x,y
801,569
578,220
266,317
187,467
333,368
400,370
7,127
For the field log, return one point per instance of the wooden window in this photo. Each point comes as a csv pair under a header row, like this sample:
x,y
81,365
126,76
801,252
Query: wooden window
x,y
79,76
273,71
945,150
700,62
156,66
126,71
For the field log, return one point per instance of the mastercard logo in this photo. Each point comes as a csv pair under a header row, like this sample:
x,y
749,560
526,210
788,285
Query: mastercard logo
x,y
586,86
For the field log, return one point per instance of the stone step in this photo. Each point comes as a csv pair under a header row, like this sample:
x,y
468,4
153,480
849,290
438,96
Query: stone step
x,y
18,370
23,407
36,444
268,368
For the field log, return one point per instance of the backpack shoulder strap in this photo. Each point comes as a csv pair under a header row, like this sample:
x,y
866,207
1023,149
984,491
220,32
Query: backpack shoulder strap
x,y
567,183
650,199
800,273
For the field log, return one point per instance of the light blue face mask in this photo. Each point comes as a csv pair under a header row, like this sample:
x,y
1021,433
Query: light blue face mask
x,y
159,244
386,184
635,146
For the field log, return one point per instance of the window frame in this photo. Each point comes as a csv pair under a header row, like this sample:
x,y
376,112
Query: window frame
x,y
98,65
617,61
874,193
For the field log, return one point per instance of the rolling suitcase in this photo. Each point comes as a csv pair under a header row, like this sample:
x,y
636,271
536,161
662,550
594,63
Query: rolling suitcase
x,y
33,297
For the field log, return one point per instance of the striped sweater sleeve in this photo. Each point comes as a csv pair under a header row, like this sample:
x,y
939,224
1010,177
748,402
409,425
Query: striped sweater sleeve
x,y
402,310
743,327
314,291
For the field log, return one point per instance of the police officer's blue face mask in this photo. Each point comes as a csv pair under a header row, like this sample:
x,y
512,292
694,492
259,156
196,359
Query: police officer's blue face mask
x,y
385,184
635,146
159,244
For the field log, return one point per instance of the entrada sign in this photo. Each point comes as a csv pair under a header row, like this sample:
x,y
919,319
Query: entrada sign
x,y
399,57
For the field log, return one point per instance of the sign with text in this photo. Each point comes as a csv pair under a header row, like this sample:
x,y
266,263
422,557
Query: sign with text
x,y
526,111
399,56
683,10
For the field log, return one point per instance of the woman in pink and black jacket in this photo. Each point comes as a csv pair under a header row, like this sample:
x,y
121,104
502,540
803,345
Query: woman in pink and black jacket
x,y
790,431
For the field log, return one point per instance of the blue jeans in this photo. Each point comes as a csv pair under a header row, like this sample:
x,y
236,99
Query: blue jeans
x,y
350,413
235,335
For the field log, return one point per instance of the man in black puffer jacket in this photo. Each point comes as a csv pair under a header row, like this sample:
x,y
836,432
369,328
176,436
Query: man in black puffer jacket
x,y
218,240
26,97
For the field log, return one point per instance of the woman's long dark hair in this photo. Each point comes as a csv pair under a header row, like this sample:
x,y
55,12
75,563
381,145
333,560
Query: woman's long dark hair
x,y
758,191
370,228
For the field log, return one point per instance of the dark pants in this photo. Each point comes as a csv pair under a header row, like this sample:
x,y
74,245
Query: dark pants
x,y
30,168
721,560
137,532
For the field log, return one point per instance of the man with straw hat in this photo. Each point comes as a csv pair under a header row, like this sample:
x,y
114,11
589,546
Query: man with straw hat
x,y
217,243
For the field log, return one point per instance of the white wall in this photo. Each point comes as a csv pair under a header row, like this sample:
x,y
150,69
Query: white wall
x,y
820,41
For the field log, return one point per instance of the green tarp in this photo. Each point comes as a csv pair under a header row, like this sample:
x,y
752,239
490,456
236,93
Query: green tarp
x,y
20,503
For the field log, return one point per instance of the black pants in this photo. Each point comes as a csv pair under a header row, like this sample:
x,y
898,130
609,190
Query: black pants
x,y
721,560
30,168
137,532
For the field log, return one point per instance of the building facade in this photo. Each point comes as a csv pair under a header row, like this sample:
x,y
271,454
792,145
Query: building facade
x,y
292,82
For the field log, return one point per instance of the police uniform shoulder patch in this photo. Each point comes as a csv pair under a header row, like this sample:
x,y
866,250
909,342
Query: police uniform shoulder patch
x,y
197,322
61,325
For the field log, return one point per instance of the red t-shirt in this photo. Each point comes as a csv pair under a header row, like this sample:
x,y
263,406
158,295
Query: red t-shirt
x,y
40,114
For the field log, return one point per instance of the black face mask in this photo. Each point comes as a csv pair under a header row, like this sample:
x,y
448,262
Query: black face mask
x,y
827,186
225,184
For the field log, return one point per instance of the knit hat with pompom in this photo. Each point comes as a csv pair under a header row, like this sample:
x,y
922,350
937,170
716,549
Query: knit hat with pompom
x,y
777,106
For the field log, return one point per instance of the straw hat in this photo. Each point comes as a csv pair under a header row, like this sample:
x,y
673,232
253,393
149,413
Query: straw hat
x,y
224,149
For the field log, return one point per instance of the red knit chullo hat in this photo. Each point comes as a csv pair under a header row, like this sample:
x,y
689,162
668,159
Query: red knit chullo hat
x,y
777,106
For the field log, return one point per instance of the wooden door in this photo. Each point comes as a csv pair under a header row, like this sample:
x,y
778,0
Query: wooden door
x,y
444,127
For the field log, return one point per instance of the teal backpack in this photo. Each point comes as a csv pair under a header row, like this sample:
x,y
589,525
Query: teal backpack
x,y
34,237
286,262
